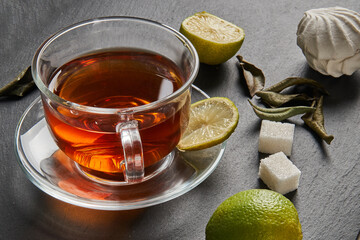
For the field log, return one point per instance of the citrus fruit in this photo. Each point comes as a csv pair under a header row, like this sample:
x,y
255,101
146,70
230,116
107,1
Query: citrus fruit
x,y
255,214
211,122
214,39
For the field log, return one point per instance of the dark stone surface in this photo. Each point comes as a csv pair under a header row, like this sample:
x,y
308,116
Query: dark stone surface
x,y
328,196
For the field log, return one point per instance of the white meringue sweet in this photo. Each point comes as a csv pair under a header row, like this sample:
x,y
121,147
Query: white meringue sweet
x,y
330,40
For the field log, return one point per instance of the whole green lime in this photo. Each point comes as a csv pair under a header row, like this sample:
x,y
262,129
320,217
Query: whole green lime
x,y
255,214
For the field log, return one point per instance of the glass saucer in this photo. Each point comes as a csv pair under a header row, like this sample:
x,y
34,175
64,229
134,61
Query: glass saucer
x,y
53,172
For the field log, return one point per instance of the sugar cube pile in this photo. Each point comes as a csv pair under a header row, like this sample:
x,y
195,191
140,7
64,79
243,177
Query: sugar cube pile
x,y
279,173
276,137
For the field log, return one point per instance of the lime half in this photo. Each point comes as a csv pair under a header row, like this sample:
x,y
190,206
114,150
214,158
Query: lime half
x,y
212,121
215,39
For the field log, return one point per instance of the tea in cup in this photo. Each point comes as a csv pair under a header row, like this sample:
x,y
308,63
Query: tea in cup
x,y
116,95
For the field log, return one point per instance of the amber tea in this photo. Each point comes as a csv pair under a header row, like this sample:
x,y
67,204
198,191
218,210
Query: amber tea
x,y
115,78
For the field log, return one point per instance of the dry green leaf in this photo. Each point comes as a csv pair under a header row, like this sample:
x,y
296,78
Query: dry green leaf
x,y
291,81
21,85
254,77
315,120
279,114
277,99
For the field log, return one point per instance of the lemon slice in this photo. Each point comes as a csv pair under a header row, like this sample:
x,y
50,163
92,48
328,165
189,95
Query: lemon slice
x,y
215,39
211,122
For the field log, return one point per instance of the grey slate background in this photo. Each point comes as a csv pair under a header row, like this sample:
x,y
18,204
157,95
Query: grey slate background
x,y
328,196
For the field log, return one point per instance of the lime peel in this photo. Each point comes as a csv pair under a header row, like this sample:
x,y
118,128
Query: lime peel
x,y
255,214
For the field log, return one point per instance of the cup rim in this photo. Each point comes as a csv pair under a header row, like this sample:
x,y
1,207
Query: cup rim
x,y
53,97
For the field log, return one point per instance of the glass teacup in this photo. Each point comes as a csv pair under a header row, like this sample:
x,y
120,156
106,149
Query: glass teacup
x,y
116,95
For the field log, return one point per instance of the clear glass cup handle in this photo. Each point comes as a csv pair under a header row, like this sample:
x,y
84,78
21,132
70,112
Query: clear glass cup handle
x,y
133,163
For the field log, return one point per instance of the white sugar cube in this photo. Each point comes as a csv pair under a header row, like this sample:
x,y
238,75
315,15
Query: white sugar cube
x,y
276,137
279,173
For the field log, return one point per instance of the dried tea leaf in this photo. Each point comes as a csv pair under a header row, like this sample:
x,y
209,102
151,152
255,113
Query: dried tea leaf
x,y
18,87
275,99
291,81
254,77
315,120
279,114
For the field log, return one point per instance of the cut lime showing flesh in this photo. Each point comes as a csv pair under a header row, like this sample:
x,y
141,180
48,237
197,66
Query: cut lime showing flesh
x,y
211,122
215,39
